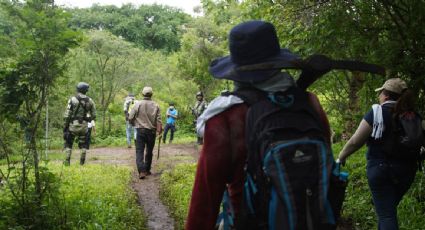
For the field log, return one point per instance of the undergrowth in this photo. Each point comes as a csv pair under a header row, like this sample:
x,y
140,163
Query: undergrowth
x,y
88,197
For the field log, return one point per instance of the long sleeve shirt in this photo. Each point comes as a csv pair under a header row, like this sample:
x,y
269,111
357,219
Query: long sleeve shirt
x,y
221,163
146,114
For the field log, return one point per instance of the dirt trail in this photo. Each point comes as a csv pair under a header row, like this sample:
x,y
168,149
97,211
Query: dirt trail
x,y
148,189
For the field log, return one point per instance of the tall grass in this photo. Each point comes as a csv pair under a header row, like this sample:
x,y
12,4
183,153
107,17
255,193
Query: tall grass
x,y
89,197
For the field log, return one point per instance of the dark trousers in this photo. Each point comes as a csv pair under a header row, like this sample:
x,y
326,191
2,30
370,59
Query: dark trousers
x,y
388,182
172,129
88,138
145,139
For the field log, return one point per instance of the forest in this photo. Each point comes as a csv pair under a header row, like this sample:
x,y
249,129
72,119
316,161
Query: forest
x,y
46,49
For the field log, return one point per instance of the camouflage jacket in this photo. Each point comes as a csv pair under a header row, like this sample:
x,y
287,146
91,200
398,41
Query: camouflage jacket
x,y
80,108
199,108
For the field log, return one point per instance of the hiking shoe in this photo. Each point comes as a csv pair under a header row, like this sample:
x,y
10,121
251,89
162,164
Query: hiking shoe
x,y
148,173
129,146
142,175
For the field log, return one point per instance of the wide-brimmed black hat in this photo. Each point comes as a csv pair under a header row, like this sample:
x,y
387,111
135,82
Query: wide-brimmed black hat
x,y
252,43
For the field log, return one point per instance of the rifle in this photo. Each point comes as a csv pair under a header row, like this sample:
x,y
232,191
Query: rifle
x,y
314,67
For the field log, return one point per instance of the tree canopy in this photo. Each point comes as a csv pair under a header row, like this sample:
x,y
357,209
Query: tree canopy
x,y
155,27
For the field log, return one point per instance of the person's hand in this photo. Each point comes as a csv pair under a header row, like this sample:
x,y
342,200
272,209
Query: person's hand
x,y
339,161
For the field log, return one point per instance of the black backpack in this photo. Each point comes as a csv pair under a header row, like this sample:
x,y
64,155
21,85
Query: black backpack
x,y
406,138
289,166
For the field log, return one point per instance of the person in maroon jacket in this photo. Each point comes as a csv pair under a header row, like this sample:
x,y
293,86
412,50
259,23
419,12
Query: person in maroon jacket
x,y
223,156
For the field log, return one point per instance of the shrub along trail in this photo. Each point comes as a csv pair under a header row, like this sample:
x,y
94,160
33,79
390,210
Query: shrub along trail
x,y
158,216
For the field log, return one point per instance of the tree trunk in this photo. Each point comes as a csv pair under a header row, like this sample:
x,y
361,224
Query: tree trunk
x,y
355,84
109,123
103,121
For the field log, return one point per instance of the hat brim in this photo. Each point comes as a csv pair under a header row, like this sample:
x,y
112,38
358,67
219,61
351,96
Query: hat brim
x,y
225,68
379,89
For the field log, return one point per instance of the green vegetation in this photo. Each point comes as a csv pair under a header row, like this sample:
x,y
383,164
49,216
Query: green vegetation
x,y
176,190
89,197
47,50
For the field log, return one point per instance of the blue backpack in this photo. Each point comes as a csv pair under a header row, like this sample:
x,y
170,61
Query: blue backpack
x,y
290,166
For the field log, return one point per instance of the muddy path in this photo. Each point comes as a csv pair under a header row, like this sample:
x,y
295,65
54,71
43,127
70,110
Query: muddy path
x,y
157,214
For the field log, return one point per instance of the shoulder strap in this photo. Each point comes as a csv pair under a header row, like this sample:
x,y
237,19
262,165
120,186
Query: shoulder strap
x,y
249,95
79,105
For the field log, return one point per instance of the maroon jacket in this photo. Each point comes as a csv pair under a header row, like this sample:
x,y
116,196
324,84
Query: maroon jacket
x,y
222,162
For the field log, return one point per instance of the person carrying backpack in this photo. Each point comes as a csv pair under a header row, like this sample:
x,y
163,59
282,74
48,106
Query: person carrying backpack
x,y
79,112
130,131
238,131
393,133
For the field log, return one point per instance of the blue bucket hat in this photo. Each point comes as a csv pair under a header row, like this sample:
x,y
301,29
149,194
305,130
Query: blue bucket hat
x,y
253,45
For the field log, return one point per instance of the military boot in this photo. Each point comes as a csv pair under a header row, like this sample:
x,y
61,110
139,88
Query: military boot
x,y
67,161
83,156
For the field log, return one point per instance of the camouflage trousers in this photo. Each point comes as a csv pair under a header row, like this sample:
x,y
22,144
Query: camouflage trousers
x,y
82,144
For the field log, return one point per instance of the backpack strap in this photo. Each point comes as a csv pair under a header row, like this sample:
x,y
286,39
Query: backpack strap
x,y
249,95
78,107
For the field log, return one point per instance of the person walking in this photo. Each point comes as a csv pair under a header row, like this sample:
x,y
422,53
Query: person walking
x,y
171,114
79,112
389,177
224,153
197,110
146,117
130,131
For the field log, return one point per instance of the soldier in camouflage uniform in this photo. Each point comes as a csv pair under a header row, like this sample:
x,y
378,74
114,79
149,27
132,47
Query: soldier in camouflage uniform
x,y
79,112
199,108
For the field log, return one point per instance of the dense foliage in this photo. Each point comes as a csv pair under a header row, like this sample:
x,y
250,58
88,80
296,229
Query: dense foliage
x,y
46,50
154,27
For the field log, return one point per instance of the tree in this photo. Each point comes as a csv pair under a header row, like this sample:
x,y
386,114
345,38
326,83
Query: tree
x,y
40,38
202,43
381,32
108,64
154,27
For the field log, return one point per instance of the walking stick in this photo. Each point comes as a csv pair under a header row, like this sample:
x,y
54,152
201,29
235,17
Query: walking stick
x,y
159,146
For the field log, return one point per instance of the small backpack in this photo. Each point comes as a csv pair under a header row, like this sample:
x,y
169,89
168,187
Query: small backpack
x,y
406,138
289,166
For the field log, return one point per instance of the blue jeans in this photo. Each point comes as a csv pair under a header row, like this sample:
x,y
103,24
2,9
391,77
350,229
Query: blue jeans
x,y
388,182
145,139
170,127
129,131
